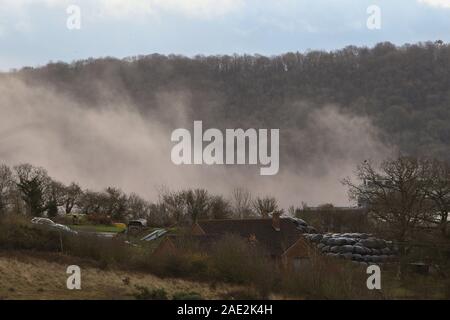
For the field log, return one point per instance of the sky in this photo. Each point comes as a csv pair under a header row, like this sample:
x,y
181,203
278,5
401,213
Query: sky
x,y
35,32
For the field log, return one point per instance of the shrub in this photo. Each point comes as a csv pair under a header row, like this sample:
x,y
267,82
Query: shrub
x,y
105,251
99,218
191,295
235,260
177,265
72,218
18,234
243,294
199,265
328,279
145,293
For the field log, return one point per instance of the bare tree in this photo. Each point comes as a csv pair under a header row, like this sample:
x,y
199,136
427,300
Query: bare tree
x,y
197,204
242,203
437,189
137,207
32,183
72,196
220,208
393,194
116,203
173,204
91,202
6,184
266,206
54,197
158,215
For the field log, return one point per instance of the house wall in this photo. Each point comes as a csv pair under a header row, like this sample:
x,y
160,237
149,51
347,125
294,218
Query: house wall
x,y
300,251
165,247
197,230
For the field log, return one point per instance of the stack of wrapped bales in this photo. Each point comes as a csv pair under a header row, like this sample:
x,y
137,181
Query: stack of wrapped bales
x,y
362,248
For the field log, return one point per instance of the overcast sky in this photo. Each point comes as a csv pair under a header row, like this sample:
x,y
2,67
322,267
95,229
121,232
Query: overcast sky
x,y
34,32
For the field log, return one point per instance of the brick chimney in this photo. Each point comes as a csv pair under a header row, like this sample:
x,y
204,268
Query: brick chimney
x,y
276,220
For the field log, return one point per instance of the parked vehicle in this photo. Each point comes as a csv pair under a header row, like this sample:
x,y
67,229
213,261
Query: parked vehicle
x,y
140,223
135,226
45,222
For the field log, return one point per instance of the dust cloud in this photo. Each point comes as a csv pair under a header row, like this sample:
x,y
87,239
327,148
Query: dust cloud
x,y
114,144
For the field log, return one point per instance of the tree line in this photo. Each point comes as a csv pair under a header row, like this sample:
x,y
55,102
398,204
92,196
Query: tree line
x,y
401,196
29,190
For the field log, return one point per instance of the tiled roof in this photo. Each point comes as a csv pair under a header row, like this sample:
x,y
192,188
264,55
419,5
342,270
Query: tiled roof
x,y
274,242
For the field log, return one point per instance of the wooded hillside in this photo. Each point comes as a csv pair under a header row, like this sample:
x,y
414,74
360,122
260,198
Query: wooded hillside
x,y
405,91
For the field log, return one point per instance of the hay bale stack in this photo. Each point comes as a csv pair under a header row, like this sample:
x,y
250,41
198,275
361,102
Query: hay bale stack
x,y
361,248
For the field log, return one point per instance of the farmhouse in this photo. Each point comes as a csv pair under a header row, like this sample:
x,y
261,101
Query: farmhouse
x,y
290,242
280,238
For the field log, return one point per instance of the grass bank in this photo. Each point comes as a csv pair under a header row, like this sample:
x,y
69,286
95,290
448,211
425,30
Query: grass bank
x,y
231,260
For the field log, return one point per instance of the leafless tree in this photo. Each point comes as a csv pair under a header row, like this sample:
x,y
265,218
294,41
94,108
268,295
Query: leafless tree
x,y
33,183
242,203
137,207
197,204
72,196
6,185
115,203
91,202
266,206
158,215
54,197
437,189
173,204
393,194
220,208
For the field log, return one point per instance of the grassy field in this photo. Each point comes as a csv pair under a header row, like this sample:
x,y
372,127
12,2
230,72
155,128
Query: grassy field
x,y
25,276
111,269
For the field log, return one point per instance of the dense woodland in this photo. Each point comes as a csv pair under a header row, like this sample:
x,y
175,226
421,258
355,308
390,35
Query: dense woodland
x,y
405,90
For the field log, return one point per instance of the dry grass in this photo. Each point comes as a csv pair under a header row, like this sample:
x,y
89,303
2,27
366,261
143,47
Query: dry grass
x,y
25,276
38,272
